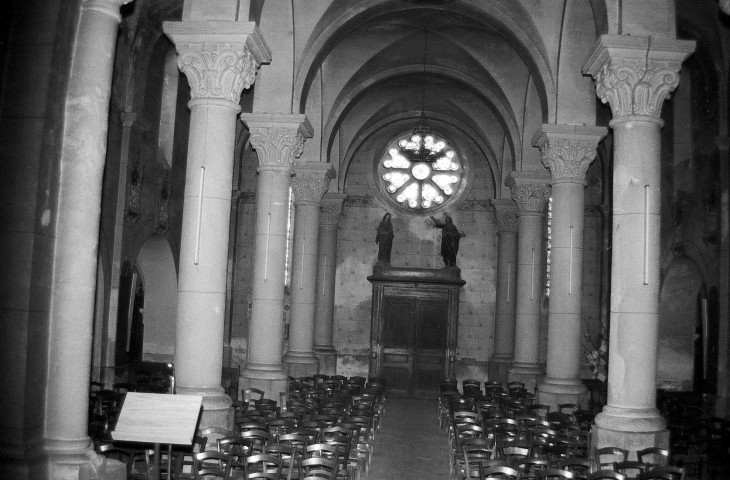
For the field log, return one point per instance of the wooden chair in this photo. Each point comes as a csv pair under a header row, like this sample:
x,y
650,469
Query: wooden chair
x,y
318,468
553,473
124,455
500,472
263,465
211,464
257,439
606,475
214,433
474,452
631,468
653,455
529,466
580,467
663,473
607,456
514,450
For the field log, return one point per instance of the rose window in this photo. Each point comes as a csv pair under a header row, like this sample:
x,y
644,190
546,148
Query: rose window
x,y
420,171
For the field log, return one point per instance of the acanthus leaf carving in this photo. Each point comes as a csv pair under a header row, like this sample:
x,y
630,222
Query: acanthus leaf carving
x,y
277,148
568,159
531,198
218,71
311,181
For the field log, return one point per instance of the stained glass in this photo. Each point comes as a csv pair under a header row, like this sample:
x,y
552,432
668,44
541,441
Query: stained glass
x,y
420,171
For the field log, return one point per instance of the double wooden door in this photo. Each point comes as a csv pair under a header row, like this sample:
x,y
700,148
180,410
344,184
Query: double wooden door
x,y
414,344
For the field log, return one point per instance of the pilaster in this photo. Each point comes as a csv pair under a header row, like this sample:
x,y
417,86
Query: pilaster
x,y
567,151
505,212
531,192
329,218
634,75
310,182
278,140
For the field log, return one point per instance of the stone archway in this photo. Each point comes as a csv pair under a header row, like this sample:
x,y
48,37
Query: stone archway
x,y
156,266
679,320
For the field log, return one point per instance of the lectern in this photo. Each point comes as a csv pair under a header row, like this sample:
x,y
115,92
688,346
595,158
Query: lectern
x,y
158,418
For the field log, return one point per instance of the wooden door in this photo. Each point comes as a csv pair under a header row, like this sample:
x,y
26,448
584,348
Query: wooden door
x,y
413,345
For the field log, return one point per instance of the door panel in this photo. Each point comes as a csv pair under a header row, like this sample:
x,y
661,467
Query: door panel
x,y
414,345
397,363
430,349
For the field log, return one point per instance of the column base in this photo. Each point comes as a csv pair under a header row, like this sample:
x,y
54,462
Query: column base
x,y
554,391
327,356
217,406
270,378
498,367
527,373
301,364
76,460
631,429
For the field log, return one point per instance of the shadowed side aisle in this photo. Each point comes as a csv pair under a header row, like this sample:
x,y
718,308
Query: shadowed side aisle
x,y
409,444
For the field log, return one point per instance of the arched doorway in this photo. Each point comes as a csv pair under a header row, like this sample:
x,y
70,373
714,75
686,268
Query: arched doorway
x,y
156,267
681,302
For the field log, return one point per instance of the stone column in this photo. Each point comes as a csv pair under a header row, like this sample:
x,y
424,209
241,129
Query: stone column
x,y
329,219
278,139
634,75
66,442
310,182
505,211
531,191
220,60
567,150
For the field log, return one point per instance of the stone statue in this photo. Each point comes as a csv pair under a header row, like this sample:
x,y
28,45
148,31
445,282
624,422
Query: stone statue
x,y
384,239
450,237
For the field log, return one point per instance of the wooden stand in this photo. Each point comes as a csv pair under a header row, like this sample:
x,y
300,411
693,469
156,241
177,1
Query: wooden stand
x,y
158,418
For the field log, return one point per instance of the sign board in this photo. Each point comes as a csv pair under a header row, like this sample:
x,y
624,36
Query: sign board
x,y
158,418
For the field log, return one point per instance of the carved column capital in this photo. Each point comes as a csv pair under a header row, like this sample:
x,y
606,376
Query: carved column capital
x,y
331,208
568,150
277,138
634,75
219,58
311,181
505,211
530,191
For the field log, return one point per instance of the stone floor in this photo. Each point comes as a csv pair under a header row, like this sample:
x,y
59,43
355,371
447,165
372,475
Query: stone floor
x,y
409,444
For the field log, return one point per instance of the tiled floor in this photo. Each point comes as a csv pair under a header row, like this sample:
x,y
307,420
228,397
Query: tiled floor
x,y
409,444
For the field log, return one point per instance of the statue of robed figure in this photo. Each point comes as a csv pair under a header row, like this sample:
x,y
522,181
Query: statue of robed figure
x,y
450,237
384,239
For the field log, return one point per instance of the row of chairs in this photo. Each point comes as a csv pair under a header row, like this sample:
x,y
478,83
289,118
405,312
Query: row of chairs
x,y
485,442
264,429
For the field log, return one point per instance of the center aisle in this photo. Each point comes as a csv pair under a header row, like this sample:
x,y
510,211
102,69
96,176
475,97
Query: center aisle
x,y
409,444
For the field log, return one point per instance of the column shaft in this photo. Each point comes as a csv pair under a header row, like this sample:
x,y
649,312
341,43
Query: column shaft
x,y
504,323
326,274
531,192
204,256
267,315
77,233
300,356
635,264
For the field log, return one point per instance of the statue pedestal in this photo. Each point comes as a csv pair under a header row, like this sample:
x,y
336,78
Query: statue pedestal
x,y
414,316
